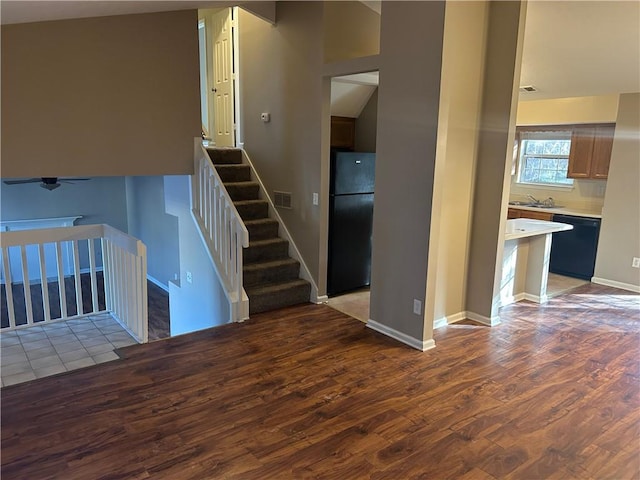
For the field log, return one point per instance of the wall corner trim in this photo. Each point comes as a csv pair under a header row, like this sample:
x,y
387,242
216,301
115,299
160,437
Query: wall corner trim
x,y
491,322
612,283
421,345
449,319
319,299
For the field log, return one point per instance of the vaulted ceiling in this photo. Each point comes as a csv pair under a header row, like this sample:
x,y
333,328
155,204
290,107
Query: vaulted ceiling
x,y
571,48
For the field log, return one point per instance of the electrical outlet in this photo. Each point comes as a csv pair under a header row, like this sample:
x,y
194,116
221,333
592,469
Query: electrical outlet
x,y
189,277
417,306
636,262
316,200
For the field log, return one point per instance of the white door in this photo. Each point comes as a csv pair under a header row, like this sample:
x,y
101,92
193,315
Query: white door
x,y
223,134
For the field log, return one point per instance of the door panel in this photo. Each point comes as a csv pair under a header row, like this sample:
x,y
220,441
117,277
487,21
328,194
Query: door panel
x,y
223,79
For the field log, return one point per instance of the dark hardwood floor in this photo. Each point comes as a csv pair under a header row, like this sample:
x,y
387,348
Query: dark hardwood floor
x,y
158,312
307,392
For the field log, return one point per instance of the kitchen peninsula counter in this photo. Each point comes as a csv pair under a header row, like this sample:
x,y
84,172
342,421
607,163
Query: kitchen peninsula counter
x,y
525,264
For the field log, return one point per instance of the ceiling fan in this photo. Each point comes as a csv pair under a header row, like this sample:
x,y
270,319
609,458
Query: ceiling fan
x,y
49,183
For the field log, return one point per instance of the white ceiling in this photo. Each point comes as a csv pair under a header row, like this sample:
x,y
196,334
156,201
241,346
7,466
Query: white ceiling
x,y
571,48
581,48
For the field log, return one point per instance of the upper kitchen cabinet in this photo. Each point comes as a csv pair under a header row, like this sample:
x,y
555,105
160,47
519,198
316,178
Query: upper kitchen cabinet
x,y
343,132
590,151
602,146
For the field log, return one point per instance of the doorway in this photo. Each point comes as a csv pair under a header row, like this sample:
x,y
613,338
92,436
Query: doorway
x,y
351,191
218,79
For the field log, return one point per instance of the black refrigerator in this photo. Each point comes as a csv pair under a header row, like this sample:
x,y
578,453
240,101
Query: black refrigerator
x,y
350,221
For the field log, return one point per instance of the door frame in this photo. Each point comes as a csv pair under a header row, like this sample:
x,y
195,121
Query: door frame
x,y
206,16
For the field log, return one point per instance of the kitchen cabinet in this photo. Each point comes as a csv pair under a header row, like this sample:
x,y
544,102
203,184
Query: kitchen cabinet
x,y
590,153
602,146
343,132
518,213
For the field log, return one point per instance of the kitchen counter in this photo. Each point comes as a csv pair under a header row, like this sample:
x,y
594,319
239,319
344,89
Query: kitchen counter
x,y
577,212
526,227
525,261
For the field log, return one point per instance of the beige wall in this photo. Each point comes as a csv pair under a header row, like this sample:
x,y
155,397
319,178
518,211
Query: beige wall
x,y
558,111
100,96
460,96
408,97
366,125
620,230
495,150
281,71
351,30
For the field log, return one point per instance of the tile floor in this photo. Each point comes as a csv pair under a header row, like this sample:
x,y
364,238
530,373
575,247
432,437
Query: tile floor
x,y
355,304
558,284
57,347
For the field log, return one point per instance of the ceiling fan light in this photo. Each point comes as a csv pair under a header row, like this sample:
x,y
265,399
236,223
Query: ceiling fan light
x,y
50,186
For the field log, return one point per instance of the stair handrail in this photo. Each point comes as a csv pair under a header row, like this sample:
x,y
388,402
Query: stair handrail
x,y
221,227
123,264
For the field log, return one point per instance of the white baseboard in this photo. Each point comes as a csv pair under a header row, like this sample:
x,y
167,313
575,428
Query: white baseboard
x,y
401,337
491,322
319,299
158,283
612,283
448,320
535,298
512,299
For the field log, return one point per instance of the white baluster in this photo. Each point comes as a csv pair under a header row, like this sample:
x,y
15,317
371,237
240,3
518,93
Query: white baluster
x,y
92,273
61,286
26,285
44,284
8,287
76,274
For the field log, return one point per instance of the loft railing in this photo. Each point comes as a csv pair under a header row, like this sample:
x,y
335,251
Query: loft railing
x,y
222,229
117,271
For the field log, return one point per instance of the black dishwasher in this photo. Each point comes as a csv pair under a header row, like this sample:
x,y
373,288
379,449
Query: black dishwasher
x,y
573,252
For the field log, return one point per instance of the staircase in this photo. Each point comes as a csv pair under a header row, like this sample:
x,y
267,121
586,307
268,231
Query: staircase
x,y
270,276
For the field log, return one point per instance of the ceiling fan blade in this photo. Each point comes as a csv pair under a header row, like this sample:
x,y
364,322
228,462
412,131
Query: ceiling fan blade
x,y
18,182
69,180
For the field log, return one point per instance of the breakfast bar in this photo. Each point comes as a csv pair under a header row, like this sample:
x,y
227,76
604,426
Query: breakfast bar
x,y
525,265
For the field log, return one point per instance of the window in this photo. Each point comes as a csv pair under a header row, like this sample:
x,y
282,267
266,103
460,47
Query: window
x,y
544,158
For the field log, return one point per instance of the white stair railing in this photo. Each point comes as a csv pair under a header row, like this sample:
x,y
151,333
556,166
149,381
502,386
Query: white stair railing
x,y
124,268
222,229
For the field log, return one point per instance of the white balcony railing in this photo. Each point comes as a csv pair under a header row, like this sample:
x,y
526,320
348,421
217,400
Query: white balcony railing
x,y
123,289
222,229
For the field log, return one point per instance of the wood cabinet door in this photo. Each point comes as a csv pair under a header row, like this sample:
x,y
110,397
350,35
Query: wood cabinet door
x,y
343,132
513,213
602,146
536,215
582,141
